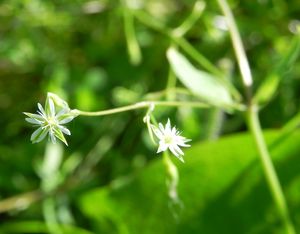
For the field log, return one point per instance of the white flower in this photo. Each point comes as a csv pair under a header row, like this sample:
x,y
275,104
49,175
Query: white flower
x,y
169,138
50,122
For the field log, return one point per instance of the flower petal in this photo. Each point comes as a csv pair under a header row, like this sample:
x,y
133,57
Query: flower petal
x,y
162,147
52,136
38,135
161,128
173,151
63,119
168,125
177,149
64,130
34,116
58,133
157,132
33,121
41,109
51,108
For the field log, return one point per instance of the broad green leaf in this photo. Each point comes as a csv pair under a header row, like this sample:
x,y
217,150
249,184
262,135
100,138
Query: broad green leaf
x,y
268,88
221,186
202,84
36,226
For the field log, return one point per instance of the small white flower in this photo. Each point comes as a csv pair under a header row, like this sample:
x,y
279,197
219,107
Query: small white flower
x,y
50,122
169,138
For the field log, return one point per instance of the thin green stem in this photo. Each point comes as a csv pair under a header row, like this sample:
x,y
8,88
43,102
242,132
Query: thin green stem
x,y
141,105
254,123
237,45
133,47
178,40
189,22
269,170
186,47
171,94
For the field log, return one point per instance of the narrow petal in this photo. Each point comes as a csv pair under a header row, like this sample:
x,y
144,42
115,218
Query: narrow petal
x,y
38,135
183,144
34,116
177,149
51,108
162,147
52,137
173,151
64,130
62,112
161,127
177,155
58,133
180,158
156,131
42,111
33,121
168,125
65,119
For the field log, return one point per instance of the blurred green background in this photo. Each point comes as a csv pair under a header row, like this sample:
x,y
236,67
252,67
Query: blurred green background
x,y
109,179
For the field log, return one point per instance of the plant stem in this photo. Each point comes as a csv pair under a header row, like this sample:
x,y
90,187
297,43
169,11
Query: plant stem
x,y
237,44
133,47
189,22
140,105
268,168
254,123
178,40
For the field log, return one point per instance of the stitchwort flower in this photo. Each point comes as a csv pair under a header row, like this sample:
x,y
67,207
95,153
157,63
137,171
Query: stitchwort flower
x,y
51,119
169,138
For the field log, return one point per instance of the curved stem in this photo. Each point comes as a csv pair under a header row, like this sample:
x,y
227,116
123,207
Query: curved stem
x,y
140,105
189,22
269,170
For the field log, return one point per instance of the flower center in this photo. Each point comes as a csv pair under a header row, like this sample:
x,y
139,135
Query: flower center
x,y
51,121
168,139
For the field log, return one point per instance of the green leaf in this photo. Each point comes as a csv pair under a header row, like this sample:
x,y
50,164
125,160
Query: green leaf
x,y
221,185
36,226
202,84
268,88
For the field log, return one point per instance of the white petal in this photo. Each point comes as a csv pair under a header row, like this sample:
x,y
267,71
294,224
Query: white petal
x,y
38,135
161,127
34,116
33,121
173,151
67,119
157,132
64,130
168,125
183,144
52,107
178,149
62,112
42,111
162,147
52,136
181,158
